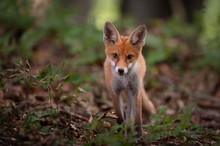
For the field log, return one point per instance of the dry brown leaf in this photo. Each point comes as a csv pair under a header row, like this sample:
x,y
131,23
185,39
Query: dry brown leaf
x,y
107,124
1,96
73,127
90,119
111,115
81,90
101,116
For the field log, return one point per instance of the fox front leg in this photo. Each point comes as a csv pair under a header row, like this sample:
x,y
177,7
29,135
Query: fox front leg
x,y
118,106
134,111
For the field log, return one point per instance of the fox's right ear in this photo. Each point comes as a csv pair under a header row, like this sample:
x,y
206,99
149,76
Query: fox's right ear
x,y
110,33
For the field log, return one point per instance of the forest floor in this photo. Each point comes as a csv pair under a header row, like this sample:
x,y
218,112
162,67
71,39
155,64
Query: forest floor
x,y
38,107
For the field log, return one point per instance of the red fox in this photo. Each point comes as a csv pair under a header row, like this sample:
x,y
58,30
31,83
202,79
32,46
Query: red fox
x,y
124,69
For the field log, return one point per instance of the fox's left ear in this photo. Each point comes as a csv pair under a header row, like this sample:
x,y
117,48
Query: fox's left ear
x,y
138,36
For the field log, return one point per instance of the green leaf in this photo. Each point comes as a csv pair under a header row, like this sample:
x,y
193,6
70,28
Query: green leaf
x,y
162,110
156,56
185,118
30,38
176,130
48,112
45,129
2,83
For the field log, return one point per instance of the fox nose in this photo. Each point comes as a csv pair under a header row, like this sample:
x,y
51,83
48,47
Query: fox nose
x,y
121,71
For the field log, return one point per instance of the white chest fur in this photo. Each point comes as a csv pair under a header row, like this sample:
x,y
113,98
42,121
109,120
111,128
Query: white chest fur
x,y
124,83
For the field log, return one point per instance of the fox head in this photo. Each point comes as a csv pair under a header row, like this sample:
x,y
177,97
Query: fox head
x,y
123,51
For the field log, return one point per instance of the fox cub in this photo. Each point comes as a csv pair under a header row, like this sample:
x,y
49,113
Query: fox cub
x,y
124,69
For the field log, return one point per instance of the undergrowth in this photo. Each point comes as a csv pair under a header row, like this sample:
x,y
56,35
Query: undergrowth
x,y
165,130
100,129
50,78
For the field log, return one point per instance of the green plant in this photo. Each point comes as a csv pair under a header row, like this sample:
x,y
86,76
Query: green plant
x,y
210,36
7,44
101,129
49,74
14,21
47,121
168,43
178,128
211,21
49,78
16,13
33,119
44,78
81,40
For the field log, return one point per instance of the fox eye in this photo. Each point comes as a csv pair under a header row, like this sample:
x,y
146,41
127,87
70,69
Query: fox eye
x,y
129,56
115,55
